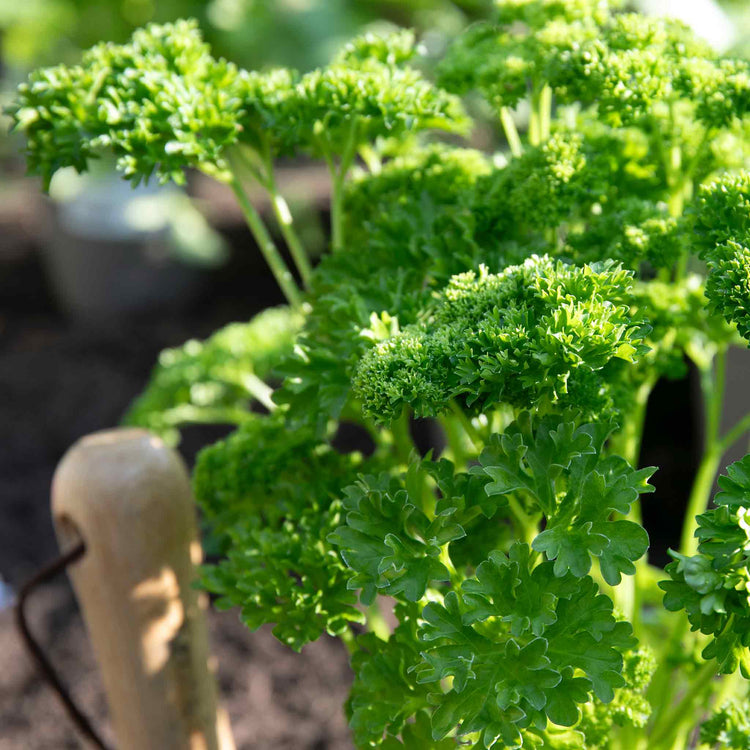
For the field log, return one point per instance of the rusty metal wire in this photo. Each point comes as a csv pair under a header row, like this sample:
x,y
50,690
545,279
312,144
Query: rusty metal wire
x,y
37,652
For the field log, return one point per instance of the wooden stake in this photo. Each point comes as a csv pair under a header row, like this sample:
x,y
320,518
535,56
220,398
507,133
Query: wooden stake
x,y
128,497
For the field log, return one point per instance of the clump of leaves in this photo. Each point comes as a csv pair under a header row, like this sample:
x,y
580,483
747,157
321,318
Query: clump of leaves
x,y
527,301
215,380
534,334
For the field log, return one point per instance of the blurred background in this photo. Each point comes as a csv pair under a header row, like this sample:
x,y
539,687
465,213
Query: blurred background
x,y
96,279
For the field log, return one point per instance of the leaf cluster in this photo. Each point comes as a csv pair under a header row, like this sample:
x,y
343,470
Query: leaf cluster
x,y
523,646
393,259
270,499
534,334
712,585
728,727
161,103
722,225
559,471
217,379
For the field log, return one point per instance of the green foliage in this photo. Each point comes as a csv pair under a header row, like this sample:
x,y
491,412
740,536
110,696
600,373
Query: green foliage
x,y
722,212
553,183
728,285
272,504
395,528
683,327
712,585
162,104
722,223
215,380
278,570
629,708
558,471
728,727
537,13
336,109
632,232
391,214
390,544
386,695
527,302
535,334
506,679
395,49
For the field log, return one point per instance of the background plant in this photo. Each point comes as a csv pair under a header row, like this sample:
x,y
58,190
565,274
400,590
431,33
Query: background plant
x,y
528,302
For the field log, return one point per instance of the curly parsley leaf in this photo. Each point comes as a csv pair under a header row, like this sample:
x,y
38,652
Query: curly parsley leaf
x,y
711,586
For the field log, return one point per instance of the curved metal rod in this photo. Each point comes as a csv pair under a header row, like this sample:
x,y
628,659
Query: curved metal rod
x,y
37,652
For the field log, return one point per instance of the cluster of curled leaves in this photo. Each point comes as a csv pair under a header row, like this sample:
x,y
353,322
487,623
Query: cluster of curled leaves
x,y
542,286
625,64
161,103
541,332
270,499
712,586
722,226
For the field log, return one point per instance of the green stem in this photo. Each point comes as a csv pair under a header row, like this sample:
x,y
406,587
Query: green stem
x,y
455,437
371,158
466,423
267,180
284,220
268,248
545,113
402,442
376,622
349,640
663,683
671,723
187,413
699,497
627,595
338,183
632,431
445,558
242,155
337,211
534,125
735,433
528,526
511,132
704,482
712,385
259,390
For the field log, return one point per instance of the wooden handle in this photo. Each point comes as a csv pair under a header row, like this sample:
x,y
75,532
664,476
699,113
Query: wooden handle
x,y
128,497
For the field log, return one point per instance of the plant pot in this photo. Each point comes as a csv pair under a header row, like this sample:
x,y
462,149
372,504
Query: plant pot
x,y
113,250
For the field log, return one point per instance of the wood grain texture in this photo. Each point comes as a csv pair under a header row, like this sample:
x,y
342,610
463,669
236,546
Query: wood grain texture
x,y
128,497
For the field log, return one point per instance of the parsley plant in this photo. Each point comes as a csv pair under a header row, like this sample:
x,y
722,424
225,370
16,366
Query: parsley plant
x,y
499,595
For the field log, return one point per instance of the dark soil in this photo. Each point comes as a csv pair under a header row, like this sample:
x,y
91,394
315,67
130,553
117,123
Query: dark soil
x,y
60,380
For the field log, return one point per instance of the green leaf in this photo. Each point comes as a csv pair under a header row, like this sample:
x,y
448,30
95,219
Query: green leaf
x,y
521,645
389,543
215,380
711,586
553,467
